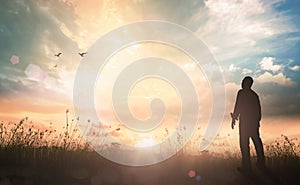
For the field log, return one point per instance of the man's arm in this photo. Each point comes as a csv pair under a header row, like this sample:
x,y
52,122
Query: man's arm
x,y
236,111
232,121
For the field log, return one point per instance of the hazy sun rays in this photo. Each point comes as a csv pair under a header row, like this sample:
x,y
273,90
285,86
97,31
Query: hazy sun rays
x,y
147,89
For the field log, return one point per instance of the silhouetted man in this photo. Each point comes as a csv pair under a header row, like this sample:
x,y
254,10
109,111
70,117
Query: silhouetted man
x,y
247,109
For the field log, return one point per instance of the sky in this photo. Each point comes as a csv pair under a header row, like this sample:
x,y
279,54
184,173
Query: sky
x,y
259,38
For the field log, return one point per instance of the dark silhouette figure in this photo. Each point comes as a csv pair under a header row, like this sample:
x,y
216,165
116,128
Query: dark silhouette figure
x,y
58,55
82,54
248,110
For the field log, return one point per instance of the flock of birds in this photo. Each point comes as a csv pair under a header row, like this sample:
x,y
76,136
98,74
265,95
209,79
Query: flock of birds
x,y
81,54
59,54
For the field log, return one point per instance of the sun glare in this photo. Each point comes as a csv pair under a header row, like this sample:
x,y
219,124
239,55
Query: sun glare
x,y
145,142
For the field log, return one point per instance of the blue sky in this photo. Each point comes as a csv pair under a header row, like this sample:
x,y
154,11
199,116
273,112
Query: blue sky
x,y
248,37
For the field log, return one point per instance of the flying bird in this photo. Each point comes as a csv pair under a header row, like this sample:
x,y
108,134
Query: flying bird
x,y
82,54
58,54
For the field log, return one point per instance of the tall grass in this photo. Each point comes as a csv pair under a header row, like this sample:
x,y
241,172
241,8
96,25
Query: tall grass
x,y
23,143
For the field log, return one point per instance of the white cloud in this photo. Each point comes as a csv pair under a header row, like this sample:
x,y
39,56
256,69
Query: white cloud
x,y
233,68
235,27
279,79
295,68
246,71
267,63
236,15
247,17
211,67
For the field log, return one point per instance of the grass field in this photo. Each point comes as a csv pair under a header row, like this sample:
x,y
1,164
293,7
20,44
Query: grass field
x,y
45,157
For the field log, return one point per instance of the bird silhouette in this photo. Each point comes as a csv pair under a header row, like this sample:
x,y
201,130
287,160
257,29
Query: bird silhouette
x,y
58,54
82,54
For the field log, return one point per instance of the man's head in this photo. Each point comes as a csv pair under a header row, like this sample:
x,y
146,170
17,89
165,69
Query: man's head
x,y
247,82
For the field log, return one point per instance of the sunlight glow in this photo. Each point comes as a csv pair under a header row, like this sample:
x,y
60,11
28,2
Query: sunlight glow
x,y
145,142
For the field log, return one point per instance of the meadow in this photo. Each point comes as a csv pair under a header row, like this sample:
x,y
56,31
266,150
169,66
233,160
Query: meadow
x,y
30,155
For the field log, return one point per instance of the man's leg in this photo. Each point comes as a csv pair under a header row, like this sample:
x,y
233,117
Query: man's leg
x,y
259,149
244,145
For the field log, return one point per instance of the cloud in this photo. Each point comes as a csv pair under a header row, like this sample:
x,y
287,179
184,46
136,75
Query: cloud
x,y
278,104
246,71
233,68
227,11
211,67
11,87
241,28
279,79
267,63
295,68
37,43
255,17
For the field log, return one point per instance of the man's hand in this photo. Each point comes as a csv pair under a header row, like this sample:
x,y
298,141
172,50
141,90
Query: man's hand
x,y
232,121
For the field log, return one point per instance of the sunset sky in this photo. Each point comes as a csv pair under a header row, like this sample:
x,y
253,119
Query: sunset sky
x,y
260,38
